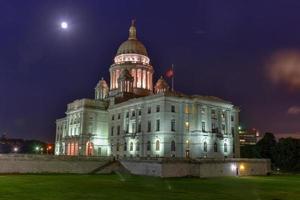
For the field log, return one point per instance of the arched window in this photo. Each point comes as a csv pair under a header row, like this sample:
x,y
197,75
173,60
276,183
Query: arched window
x,y
173,147
148,146
137,146
157,145
225,147
205,147
131,146
215,147
125,146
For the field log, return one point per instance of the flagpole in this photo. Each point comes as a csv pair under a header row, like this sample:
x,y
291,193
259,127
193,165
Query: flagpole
x,y
173,78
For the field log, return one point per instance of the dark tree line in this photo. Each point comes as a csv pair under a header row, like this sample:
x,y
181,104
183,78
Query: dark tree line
x,y
284,154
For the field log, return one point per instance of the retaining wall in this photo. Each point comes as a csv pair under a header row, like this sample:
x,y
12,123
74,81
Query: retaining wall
x,y
18,163
198,168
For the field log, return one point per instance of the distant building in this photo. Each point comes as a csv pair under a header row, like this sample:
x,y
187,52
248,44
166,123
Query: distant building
x,y
248,136
131,117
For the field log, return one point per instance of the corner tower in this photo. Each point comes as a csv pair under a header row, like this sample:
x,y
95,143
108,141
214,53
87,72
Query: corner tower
x,y
132,56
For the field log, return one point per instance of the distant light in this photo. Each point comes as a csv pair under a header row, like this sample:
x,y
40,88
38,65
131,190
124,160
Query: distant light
x,y
240,128
64,25
37,148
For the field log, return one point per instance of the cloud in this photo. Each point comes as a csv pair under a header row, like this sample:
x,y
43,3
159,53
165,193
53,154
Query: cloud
x,y
283,67
294,110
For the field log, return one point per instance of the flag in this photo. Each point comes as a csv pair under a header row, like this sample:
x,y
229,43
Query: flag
x,y
170,72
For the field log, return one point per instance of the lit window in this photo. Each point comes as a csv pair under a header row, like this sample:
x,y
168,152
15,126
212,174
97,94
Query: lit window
x,y
157,145
131,146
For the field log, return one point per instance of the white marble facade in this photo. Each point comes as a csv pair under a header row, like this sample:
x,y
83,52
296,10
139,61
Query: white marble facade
x,y
129,118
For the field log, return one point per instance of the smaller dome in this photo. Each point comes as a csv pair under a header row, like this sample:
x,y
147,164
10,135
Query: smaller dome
x,y
161,85
101,90
102,84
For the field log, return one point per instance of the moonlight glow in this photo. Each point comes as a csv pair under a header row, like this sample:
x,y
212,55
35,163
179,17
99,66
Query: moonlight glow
x,y
64,25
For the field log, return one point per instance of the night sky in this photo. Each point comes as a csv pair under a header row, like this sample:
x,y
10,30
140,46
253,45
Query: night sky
x,y
242,51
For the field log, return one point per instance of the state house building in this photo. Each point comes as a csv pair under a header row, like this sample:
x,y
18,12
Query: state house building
x,y
131,117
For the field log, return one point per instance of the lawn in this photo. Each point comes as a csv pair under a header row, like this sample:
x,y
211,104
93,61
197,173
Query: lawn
x,y
122,187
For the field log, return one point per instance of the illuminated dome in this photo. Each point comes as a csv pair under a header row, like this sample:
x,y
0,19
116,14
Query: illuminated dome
x,y
161,85
132,45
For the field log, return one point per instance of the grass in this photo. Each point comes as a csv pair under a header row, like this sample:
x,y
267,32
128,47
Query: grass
x,y
123,187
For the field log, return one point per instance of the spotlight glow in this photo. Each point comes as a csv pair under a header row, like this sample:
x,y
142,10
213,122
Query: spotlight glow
x,y
233,167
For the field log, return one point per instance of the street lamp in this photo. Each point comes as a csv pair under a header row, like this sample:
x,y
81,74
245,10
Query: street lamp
x,y
16,149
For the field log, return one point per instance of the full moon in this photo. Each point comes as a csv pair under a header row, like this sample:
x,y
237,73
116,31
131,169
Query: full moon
x,y
64,25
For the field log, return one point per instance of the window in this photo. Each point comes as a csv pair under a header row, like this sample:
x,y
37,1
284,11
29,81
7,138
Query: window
x,y
133,128
225,147
157,125
127,127
173,147
133,113
149,126
137,146
223,127
149,110
157,145
119,116
127,114
213,114
205,147
173,108
140,112
173,125
215,147
203,127
131,146
118,130
158,108
113,117
139,127
118,146
148,146
112,131
125,146
214,128
232,118
232,130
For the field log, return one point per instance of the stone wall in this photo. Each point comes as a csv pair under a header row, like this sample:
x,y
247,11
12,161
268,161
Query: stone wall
x,y
18,163
198,168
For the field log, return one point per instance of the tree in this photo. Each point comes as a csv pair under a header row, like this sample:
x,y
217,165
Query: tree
x,y
287,154
266,146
